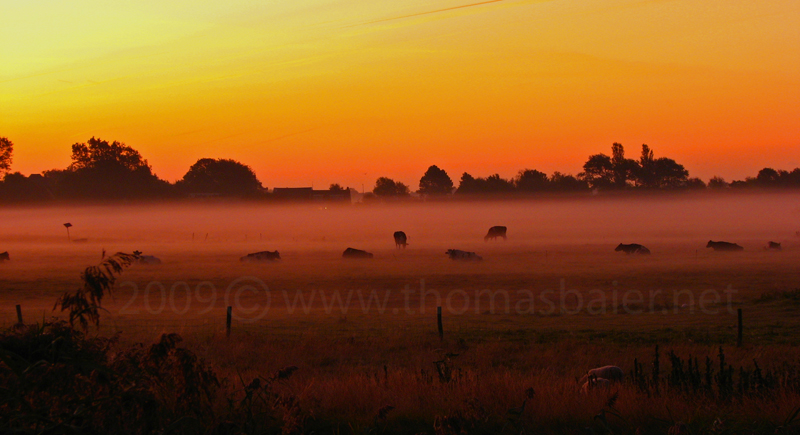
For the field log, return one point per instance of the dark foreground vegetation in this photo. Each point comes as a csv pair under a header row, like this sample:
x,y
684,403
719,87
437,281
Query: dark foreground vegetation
x,y
102,170
56,378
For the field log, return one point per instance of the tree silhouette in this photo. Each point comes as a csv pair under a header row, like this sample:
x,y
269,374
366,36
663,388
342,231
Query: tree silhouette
x,y
618,172
598,172
435,182
492,184
101,169
386,187
748,182
695,184
99,154
466,185
660,173
768,177
624,169
6,154
793,178
220,176
336,187
646,176
669,174
496,184
566,183
19,188
717,183
531,180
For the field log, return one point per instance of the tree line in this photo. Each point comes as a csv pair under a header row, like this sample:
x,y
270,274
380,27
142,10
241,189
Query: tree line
x,y
112,170
601,172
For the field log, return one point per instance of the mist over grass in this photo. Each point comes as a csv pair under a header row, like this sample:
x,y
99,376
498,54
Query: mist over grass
x,y
354,362
305,226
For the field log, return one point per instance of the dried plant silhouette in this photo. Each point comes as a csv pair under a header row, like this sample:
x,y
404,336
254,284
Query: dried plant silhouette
x,y
84,304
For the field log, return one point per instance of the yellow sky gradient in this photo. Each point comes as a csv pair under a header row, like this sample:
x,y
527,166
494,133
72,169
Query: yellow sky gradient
x,y
322,91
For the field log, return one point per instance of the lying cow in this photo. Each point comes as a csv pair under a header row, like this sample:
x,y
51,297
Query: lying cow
x,y
773,246
400,239
633,248
148,259
356,253
457,254
724,246
495,232
4,256
262,256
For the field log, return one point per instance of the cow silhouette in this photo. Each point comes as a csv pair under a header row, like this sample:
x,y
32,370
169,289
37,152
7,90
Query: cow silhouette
x,y
4,257
261,256
633,248
356,253
457,254
724,246
400,239
774,246
148,259
495,232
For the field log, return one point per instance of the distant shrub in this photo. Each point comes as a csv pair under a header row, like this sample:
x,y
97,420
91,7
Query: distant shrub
x,y
785,295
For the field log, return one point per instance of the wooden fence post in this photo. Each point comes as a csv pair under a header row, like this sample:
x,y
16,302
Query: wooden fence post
x,y
19,315
228,322
439,322
739,333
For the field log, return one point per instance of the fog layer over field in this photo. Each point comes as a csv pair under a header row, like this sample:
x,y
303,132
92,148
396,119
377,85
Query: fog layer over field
x,y
551,243
750,219
542,308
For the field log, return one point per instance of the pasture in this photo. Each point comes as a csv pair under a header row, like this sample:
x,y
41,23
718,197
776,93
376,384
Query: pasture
x,y
542,308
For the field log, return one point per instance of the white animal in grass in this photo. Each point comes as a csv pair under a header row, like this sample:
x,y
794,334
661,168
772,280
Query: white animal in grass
x,y
609,373
594,383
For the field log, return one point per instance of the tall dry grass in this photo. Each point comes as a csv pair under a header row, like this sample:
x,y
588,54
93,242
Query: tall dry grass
x,y
344,384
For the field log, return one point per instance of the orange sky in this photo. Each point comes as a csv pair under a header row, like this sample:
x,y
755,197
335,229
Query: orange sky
x,y
322,91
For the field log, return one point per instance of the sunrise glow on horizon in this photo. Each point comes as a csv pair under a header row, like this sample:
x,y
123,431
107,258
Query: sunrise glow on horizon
x,y
324,91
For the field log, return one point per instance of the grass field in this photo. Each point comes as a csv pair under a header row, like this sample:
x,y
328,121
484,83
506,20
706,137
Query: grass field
x,y
551,302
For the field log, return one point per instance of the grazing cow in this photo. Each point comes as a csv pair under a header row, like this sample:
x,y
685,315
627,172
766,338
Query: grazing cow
x,y
773,246
610,373
457,254
262,256
400,239
4,257
148,259
724,246
495,232
633,248
356,253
